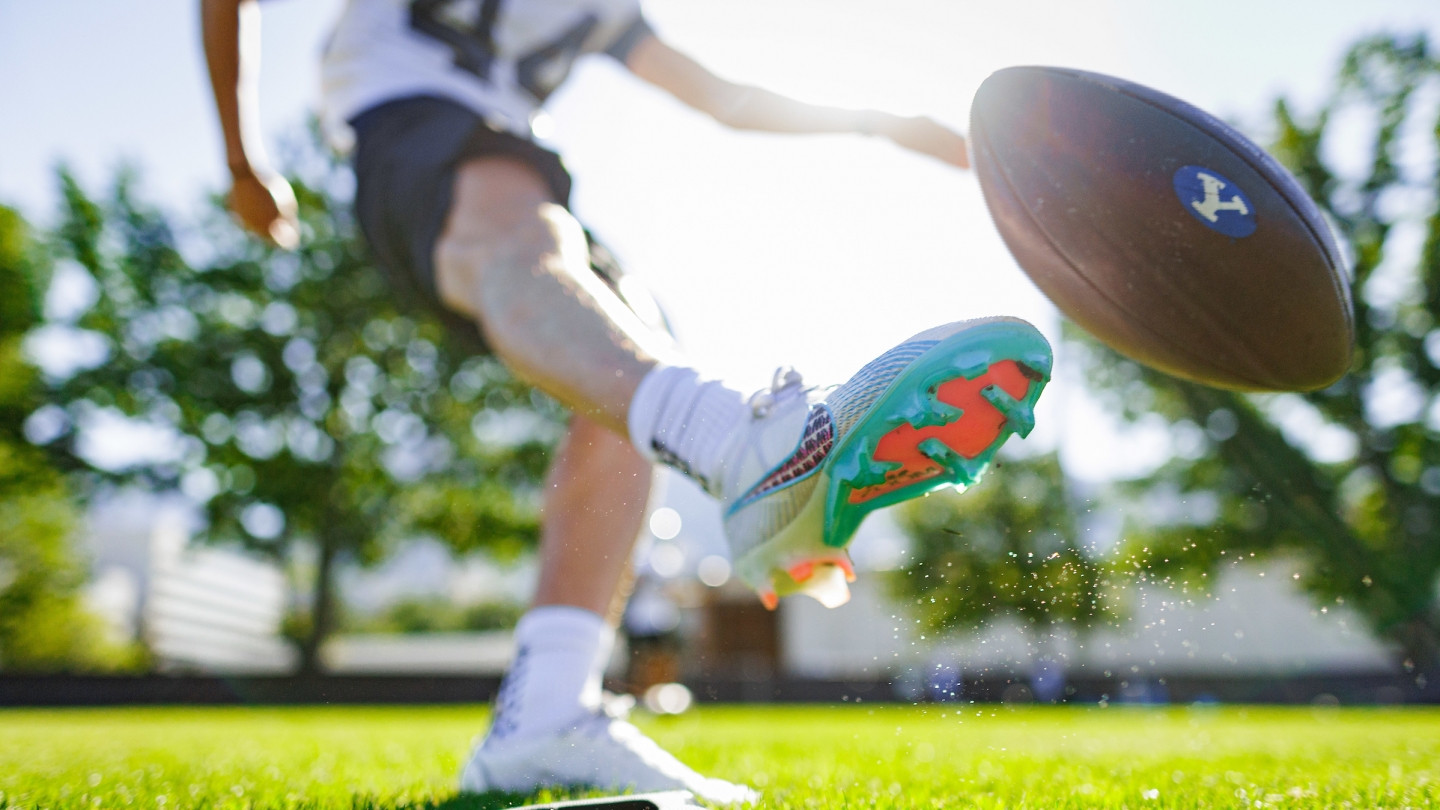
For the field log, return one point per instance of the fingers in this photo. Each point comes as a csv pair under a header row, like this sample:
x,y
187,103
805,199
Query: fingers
x,y
266,207
284,233
963,157
284,229
960,157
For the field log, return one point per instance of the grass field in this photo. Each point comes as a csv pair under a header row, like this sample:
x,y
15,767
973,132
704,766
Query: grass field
x,y
955,755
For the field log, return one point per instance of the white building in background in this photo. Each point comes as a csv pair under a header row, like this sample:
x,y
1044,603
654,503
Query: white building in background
x,y
1259,623
217,610
427,569
197,608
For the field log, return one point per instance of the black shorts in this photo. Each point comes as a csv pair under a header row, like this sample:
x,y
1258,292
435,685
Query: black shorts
x,y
406,155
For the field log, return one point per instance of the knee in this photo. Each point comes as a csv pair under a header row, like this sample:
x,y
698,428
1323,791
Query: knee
x,y
466,262
480,262
477,277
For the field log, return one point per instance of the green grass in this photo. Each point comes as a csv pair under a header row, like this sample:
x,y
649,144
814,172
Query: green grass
x,y
823,757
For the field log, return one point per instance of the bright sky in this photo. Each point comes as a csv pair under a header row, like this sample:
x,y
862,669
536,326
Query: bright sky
x,y
817,252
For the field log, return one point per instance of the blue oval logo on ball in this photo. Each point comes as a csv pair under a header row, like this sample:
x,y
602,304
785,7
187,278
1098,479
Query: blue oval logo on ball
x,y
1216,202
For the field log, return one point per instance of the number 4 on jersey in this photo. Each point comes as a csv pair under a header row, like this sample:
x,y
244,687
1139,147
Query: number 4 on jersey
x,y
468,30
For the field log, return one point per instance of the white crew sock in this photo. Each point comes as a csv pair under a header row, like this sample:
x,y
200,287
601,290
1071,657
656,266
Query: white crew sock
x,y
680,419
560,658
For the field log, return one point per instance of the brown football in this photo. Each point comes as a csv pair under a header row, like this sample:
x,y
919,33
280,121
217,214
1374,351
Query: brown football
x,y
1162,231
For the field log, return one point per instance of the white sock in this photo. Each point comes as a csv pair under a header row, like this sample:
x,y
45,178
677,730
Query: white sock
x,y
560,658
682,420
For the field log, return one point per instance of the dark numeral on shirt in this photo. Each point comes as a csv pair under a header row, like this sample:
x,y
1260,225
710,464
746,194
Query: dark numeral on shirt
x,y
473,44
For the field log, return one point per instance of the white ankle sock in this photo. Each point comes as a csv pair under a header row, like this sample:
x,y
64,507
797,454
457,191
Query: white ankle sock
x,y
683,420
560,658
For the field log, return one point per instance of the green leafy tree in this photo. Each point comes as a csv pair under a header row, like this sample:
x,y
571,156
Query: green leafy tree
x,y
44,625
1007,547
1346,479
307,408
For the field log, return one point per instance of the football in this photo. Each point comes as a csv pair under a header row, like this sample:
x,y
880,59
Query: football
x,y
1162,231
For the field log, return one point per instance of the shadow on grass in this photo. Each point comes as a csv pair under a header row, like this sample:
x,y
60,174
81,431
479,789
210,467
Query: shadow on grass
x,y
493,800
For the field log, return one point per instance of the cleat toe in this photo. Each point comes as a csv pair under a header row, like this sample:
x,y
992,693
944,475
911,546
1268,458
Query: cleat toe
x,y
827,586
1036,368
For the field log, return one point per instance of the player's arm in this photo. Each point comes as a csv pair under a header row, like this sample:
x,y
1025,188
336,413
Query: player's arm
x,y
259,196
755,108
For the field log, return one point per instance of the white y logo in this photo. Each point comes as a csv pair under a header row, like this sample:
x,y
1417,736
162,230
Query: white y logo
x,y
1212,204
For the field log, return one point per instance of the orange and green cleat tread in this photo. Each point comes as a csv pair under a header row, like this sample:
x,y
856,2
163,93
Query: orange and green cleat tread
x,y
939,423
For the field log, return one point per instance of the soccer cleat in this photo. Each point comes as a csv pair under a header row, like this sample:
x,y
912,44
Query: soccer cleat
x,y
931,412
600,751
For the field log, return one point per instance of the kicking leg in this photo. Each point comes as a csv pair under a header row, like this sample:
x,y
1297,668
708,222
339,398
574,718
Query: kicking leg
x,y
518,263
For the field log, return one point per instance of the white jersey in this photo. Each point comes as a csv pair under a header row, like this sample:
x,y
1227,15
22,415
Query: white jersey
x,y
500,58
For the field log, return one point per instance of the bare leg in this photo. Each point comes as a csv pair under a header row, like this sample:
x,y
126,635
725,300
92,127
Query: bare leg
x,y
594,506
519,265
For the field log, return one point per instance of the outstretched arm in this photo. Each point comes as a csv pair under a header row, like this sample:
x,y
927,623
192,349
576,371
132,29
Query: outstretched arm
x,y
260,198
754,108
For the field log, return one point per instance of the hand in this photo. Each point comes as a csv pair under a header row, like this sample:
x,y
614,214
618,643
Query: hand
x,y
265,205
926,136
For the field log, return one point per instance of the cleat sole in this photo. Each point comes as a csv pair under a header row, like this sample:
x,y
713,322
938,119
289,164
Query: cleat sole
x,y
1019,415
939,422
976,389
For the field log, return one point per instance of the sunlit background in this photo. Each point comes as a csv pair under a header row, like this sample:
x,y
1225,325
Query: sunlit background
x,y
817,252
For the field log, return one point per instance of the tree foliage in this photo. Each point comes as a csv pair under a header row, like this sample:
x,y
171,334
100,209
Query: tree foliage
x,y
304,404
44,624
1347,479
416,615
1009,546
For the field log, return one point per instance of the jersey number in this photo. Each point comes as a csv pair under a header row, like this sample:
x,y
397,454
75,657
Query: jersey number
x,y
473,44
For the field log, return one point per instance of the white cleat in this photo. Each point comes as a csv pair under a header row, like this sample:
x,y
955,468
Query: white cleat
x,y
601,751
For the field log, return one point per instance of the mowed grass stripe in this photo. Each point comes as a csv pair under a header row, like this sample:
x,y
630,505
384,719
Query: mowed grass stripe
x,y
938,755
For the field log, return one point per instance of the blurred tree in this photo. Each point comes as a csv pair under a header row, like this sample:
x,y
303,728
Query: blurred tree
x,y
303,407
437,615
1008,547
43,621
1346,479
